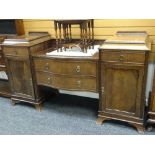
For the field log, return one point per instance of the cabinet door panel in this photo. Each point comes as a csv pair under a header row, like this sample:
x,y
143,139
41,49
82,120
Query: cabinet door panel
x,y
20,78
122,89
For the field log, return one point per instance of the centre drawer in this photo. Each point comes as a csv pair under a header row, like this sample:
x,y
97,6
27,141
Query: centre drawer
x,y
62,67
67,82
123,56
15,51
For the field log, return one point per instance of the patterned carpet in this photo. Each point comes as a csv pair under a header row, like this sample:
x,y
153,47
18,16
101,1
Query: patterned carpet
x,y
61,115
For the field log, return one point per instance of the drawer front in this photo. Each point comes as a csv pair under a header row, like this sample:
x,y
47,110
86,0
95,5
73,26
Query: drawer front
x,y
123,56
66,82
13,51
87,68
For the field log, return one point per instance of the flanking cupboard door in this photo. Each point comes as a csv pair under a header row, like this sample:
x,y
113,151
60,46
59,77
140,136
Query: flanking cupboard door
x,y
19,64
121,88
20,77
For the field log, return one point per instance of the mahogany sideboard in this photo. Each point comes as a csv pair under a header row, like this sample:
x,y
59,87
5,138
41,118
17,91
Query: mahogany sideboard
x,y
117,72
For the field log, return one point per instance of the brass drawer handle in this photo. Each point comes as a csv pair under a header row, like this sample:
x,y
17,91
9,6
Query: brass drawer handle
x,y
77,69
46,66
122,58
49,80
78,83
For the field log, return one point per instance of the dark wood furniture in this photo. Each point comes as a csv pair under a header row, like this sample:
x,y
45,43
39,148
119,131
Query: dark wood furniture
x,y
2,62
20,67
123,63
4,85
151,109
72,73
78,74
63,33
8,29
118,71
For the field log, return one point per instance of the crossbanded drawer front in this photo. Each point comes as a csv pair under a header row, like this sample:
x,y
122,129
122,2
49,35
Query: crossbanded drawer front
x,y
87,68
123,56
14,51
67,82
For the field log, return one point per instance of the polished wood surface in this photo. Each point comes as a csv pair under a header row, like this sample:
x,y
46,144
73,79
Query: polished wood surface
x,y
20,77
78,83
123,56
67,73
72,67
122,90
120,98
122,85
20,68
14,51
119,76
151,110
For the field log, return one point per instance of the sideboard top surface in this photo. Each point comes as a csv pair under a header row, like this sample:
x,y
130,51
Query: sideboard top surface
x,y
26,40
128,42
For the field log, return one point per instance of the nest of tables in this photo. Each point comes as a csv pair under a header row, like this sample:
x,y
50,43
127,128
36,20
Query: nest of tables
x,y
63,34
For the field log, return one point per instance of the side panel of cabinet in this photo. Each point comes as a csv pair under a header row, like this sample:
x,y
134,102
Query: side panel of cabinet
x,y
20,77
122,87
152,107
152,103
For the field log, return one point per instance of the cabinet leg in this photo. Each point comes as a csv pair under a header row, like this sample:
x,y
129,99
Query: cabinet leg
x,y
140,128
38,107
100,120
149,128
13,102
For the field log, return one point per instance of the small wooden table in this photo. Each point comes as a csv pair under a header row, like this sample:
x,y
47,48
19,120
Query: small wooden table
x,y
65,39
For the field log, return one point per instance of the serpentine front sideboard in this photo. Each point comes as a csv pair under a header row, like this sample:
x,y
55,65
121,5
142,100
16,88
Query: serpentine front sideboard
x,y
68,73
117,71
